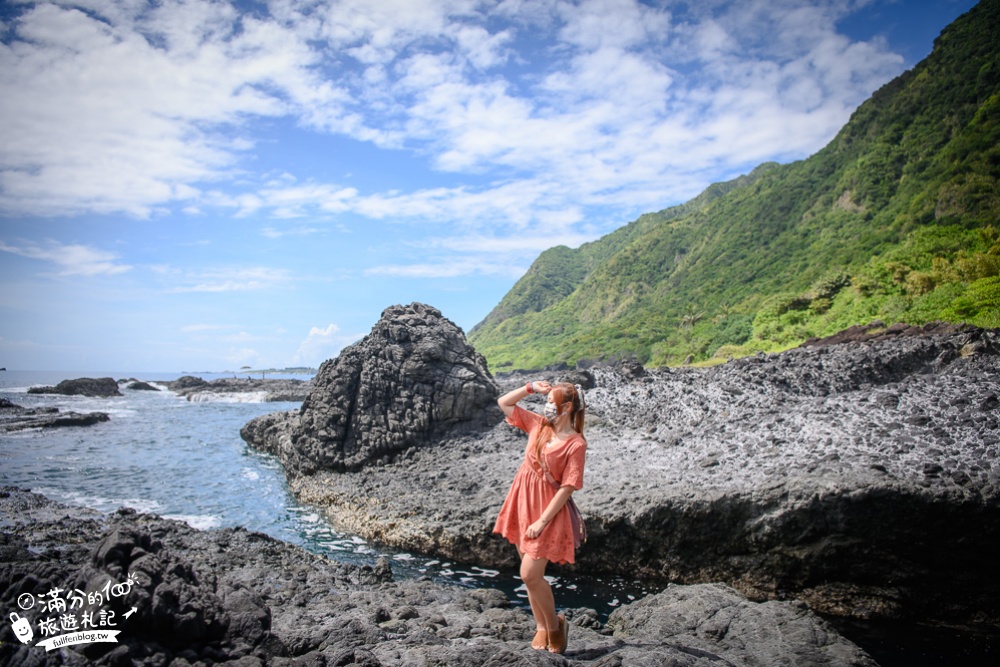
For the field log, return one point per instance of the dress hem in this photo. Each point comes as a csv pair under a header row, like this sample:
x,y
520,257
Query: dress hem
x,y
533,556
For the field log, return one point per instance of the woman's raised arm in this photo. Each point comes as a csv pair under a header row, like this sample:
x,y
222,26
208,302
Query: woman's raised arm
x,y
510,399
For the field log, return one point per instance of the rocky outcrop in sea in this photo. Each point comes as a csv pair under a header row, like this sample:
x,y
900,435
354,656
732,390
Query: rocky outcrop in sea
x,y
100,387
861,477
15,417
178,596
411,382
198,390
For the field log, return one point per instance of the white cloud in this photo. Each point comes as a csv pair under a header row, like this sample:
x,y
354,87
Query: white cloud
x,y
227,280
140,112
320,344
242,356
72,259
565,105
451,268
507,256
288,202
199,328
273,233
529,245
594,25
316,332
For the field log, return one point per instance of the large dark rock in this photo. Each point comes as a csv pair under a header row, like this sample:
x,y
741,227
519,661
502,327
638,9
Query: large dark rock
x,y
137,385
410,382
235,597
861,477
99,387
186,382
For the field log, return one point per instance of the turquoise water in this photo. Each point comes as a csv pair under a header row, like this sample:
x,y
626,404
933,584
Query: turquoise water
x,y
185,460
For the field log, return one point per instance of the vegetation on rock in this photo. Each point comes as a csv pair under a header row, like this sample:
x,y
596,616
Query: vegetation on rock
x,y
897,219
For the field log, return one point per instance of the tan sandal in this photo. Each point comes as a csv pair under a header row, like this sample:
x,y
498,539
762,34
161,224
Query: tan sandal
x,y
541,640
559,639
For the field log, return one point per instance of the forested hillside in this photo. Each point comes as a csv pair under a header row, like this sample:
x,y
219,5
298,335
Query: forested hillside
x,y
897,219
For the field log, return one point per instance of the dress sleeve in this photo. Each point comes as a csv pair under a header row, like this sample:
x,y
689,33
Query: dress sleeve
x,y
573,473
523,419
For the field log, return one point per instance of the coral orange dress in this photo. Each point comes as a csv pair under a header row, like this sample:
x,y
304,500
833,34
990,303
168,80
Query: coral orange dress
x,y
530,493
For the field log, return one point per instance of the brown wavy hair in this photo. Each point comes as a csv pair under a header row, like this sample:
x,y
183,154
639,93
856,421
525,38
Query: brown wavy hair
x,y
562,393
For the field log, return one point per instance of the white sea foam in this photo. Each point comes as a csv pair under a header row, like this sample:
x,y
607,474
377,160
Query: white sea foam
x,y
198,521
99,503
234,397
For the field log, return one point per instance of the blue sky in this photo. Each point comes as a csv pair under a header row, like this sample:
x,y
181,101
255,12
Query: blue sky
x,y
199,186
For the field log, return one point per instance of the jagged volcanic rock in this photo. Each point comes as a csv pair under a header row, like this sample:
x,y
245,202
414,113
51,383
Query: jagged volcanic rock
x,y
862,477
412,381
231,596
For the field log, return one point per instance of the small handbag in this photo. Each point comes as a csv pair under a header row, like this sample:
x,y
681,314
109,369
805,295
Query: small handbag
x,y
579,527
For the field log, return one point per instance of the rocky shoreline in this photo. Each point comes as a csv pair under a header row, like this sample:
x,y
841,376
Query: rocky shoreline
x,y
14,417
178,596
190,387
196,389
861,477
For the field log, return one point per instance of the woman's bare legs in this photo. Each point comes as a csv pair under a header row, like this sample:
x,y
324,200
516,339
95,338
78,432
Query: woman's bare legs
x,y
543,604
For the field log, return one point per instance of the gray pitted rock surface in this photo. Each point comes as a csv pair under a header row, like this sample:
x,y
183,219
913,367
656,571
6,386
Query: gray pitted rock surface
x,y
235,597
717,619
861,477
413,380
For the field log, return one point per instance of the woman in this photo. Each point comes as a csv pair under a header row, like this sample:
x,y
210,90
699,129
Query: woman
x,y
535,516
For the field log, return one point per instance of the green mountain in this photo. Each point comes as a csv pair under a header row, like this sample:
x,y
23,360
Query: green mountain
x,y
897,219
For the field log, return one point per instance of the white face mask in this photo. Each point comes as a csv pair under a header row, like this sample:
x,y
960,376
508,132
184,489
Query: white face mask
x,y
551,413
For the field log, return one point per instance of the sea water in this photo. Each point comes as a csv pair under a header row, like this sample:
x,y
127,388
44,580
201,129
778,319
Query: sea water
x,y
184,460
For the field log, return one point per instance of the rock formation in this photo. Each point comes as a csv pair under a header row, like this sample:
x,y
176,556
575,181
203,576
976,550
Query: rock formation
x,y
100,387
179,596
861,477
412,381
197,390
14,417
716,619
138,385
